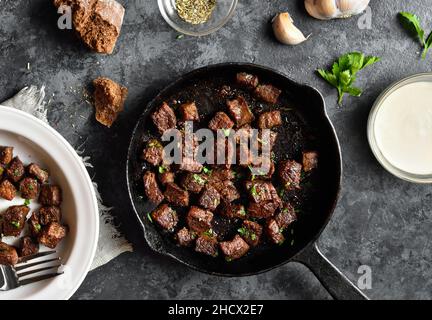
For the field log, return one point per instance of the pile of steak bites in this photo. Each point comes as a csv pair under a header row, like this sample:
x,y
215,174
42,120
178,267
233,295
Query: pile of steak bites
x,y
204,194
44,224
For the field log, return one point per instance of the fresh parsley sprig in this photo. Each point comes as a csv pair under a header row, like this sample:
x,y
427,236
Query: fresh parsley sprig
x,y
343,73
412,24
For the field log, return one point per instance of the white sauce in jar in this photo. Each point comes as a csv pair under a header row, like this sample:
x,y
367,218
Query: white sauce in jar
x,y
403,128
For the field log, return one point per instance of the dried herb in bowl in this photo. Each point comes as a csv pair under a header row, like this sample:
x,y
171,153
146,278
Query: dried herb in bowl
x,y
195,11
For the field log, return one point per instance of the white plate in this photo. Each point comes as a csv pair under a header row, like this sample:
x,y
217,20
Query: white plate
x,y
34,140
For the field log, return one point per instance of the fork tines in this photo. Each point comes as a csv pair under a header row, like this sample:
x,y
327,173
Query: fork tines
x,y
22,268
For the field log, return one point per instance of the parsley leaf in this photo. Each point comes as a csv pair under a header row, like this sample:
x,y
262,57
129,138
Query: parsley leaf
x,y
26,202
412,24
343,73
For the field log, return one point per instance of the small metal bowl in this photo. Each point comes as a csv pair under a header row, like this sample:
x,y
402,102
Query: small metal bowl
x,y
221,14
407,176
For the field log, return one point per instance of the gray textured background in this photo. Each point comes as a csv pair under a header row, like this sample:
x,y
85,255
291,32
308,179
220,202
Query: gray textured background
x,y
380,221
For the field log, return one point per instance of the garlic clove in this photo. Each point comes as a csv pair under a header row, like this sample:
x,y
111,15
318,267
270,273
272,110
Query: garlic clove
x,y
331,9
285,30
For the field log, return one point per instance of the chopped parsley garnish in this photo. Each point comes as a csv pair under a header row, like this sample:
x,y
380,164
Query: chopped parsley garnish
x,y
16,173
30,186
1,171
247,233
292,242
206,170
253,191
198,179
162,169
242,211
37,227
16,224
227,259
226,132
149,217
209,233
26,202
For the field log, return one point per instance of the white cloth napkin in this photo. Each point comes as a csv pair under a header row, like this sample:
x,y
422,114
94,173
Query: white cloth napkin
x,y
111,243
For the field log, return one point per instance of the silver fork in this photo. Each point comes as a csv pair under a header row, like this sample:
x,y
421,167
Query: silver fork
x,y
12,277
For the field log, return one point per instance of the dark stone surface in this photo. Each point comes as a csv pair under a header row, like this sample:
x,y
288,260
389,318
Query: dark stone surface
x,y
380,221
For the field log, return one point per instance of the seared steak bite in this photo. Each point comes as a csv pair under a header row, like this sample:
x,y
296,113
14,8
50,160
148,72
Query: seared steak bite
x,y
262,210
46,215
164,118
270,119
6,155
7,190
230,211
247,80
286,216
244,133
290,174
251,232
35,171
50,195
8,254
166,177
189,111
151,188
199,220
185,238
273,232
28,247
207,245
193,182
29,188
218,175
165,217
239,111
176,195
310,160
209,198
153,152
267,93
14,219
272,141
52,234
16,170
35,227
235,248
262,173
262,191
221,121
227,191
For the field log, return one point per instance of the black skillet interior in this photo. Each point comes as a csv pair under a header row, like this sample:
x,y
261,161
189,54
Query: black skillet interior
x,y
306,126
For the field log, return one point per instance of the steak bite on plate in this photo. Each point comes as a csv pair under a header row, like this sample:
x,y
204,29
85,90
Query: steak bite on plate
x,y
29,188
270,119
6,155
184,237
207,245
35,171
209,198
52,234
267,93
310,160
176,195
8,254
166,177
227,191
290,174
220,121
199,220
165,217
14,219
251,232
28,247
164,118
262,210
151,188
247,80
109,98
239,111
46,215
235,248
189,111
16,170
7,190
193,182
50,195
274,233
153,152
262,191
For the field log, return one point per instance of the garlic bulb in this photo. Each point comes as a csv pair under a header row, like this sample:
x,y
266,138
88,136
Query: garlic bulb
x,y
331,9
285,30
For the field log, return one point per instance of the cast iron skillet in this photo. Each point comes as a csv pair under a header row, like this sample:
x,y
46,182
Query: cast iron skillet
x,y
308,127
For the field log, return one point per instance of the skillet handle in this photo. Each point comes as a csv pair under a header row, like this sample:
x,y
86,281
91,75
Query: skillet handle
x,y
337,284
